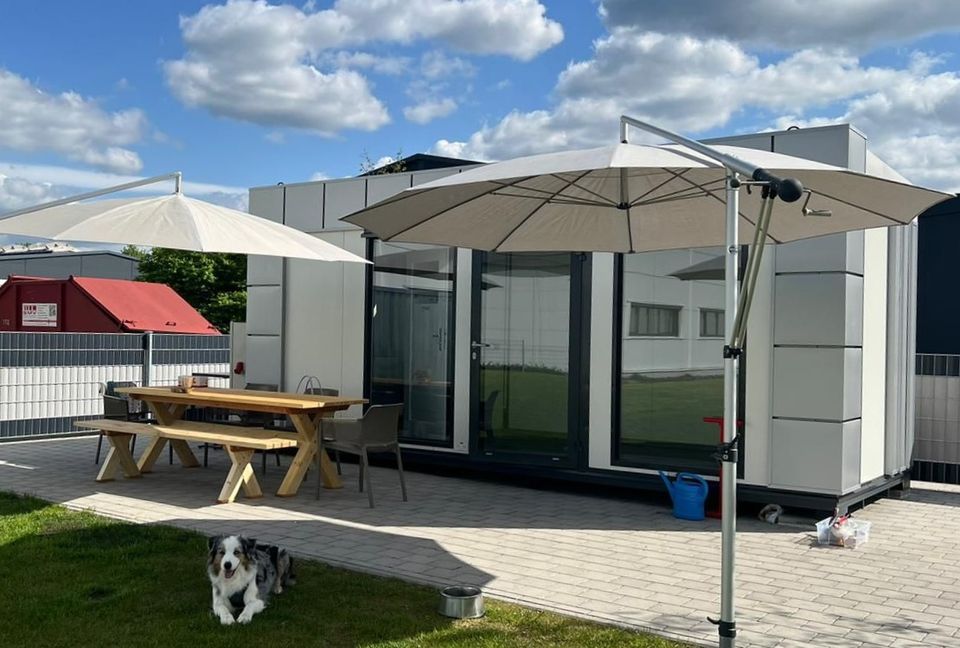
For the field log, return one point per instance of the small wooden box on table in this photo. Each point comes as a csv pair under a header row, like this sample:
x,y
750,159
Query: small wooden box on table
x,y
168,406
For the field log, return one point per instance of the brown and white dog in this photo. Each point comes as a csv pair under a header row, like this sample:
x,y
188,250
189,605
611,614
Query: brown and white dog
x,y
243,574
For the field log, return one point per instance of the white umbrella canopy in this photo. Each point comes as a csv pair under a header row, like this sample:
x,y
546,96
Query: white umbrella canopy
x,y
172,221
630,198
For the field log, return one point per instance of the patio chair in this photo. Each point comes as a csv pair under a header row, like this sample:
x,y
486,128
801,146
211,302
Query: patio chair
x,y
375,432
326,391
117,406
253,419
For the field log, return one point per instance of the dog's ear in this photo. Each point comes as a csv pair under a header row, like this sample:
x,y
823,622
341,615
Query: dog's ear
x,y
213,542
249,545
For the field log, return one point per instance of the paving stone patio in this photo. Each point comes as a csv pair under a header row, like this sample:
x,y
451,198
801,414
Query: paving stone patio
x,y
625,562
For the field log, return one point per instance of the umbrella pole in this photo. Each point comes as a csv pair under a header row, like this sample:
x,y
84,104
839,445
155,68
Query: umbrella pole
x,y
727,626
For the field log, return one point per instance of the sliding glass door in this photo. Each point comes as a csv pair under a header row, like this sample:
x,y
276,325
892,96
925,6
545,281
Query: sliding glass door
x,y
521,356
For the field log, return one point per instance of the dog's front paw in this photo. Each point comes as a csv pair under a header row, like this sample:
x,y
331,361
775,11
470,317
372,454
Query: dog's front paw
x,y
226,618
245,617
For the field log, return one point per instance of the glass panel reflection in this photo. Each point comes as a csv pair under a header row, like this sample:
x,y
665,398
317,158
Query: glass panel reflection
x,y
524,370
671,375
412,337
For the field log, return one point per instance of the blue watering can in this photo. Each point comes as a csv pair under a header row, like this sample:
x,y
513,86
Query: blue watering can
x,y
688,493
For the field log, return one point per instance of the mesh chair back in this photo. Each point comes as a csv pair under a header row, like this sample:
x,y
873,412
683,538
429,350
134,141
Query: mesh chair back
x,y
381,424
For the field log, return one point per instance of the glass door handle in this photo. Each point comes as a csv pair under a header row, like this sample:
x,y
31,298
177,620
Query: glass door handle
x,y
479,345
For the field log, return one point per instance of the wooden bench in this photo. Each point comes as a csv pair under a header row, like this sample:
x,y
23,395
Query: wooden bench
x,y
240,444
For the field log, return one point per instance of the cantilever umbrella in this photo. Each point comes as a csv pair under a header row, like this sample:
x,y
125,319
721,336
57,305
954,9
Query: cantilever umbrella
x,y
170,221
626,198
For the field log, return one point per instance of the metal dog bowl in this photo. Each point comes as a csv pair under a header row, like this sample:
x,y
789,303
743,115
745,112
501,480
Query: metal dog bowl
x,y
461,602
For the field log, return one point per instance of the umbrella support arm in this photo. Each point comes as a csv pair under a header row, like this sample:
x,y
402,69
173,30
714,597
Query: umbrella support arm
x,y
789,189
176,176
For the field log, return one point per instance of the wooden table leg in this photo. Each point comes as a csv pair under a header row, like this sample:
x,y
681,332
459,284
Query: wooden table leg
x,y
151,453
306,451
240,475
119,458
168,414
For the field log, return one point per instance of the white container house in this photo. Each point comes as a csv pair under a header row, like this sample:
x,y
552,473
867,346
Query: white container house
x,y
602,368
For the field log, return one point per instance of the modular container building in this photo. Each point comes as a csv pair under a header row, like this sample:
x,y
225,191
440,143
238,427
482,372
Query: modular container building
x,y
602,368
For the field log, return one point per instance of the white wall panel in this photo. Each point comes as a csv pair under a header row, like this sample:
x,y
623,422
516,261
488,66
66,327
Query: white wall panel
x,y
383,186
817,383
341,198
601,361
267,202
819,309
874,398
304,208
267,315
815,456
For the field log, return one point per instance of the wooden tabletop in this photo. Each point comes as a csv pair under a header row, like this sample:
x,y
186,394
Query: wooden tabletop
x,y
243,399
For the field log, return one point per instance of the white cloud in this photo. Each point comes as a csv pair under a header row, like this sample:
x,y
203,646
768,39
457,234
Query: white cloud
x,y
16,193
391,65
261,63
911,113
429,110
65,181
67,124
318,176
436,65
859,24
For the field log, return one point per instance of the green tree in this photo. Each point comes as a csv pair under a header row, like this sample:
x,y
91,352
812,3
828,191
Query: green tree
x,y
214,284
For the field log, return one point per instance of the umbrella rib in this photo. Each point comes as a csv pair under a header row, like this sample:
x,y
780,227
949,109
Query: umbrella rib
x,y
530,215
651,190
710,194
679,193
606,201
452,207
563,201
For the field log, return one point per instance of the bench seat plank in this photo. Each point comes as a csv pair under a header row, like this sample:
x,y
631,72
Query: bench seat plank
x,y
228,435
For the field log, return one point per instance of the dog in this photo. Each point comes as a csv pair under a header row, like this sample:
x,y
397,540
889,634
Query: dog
x,y
243,575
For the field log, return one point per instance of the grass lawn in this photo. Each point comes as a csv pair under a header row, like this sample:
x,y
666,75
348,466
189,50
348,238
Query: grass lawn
x,y
76,579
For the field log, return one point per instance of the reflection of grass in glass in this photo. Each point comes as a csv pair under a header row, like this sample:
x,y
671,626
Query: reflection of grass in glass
x,y
671,409
530,414
667,410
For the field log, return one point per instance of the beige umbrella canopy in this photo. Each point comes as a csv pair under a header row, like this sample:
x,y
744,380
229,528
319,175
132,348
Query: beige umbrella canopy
x,y
630,198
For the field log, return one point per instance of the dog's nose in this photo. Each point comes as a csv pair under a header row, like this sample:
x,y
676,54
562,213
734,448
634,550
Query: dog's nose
x,y
228,565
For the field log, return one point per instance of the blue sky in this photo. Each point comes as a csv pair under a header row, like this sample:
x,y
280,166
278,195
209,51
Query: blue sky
x,y
245,93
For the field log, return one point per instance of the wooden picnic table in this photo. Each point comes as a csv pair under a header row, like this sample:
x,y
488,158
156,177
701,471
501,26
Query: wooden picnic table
x,y
304,412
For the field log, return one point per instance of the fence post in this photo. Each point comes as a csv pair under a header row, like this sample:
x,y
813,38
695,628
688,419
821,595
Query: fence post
x,y
147,358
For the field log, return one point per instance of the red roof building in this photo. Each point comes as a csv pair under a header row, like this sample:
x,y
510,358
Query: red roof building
x,y
88,305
